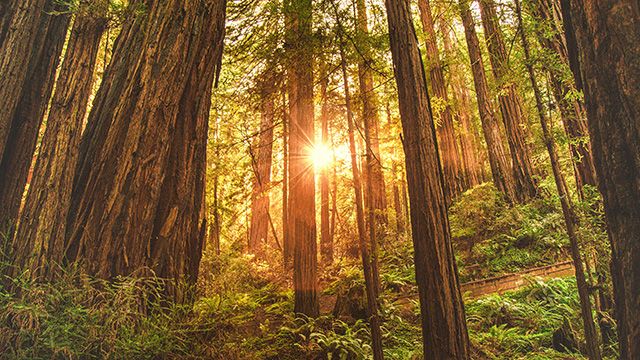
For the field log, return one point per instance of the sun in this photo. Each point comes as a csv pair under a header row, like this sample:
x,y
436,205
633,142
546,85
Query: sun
x,y
321,156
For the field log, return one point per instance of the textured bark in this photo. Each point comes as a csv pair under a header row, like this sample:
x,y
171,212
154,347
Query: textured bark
x,y
138,196
510,101
326,240
261,155
470,149
570,218
39,240
571,109
444,328
302,206
28,64
498,155
367,259
449,152
376,199
607,35
287,250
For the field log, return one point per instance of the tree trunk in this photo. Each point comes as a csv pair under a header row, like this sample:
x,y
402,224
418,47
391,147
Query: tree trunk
x,y
287,250
376,200
498,160
326,240
138,196
367,260
570,218
470,149
451,164
571,108
28,62
39,240
513,115
444,328
261,154
607,38
302,206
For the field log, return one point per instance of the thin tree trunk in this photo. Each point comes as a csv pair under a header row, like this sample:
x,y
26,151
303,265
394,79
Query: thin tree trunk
x,y
28,62
302,206
444,328
376,199
571,108
451,164
367,260
397,203
570,217
513,114
138,197
39,240
286,232
326,241
261,155
498,155
605,53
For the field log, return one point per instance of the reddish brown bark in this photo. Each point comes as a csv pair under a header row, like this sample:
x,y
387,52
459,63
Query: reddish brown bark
x,y
138,198
302,207
451,163
607,42
28,62
498,155
513,115
39,240
444,329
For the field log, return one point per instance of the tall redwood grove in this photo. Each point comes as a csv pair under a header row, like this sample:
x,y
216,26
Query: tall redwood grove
x,y
603,41
444,329
511,107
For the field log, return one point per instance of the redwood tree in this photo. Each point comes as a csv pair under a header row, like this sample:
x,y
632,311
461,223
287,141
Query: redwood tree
x,y
513,114
498,155
603,39
137,204
39,240
451,162
444,328
29,57
302,206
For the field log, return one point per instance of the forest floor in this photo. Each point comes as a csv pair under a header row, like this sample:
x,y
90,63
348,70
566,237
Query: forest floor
x,y
244,309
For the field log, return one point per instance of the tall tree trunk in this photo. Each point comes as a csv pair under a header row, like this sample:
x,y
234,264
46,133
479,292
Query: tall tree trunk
x,y
287,245
138,196
376,199
607,41
570,217
261,155
367,260
571,108
28,61
498,155
513,115
326,240
39,240
302,206
444,328
470,149
396,177
451,163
